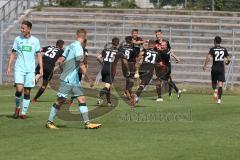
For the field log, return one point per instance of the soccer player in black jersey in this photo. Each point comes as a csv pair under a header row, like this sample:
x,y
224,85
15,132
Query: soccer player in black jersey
x,y
129,67
165,63
160,68
136,40
50,57
217,53
146,70
108,58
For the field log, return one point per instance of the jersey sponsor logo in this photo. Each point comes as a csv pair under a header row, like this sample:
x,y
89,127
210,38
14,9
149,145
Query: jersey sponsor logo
x,y
27,48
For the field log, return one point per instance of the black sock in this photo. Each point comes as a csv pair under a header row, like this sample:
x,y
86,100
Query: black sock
x,y
103,91
139,91
219,92
159,90
108,95
39,93
214,85
173,85
169,90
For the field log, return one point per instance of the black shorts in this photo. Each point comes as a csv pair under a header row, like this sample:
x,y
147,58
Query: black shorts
x,y
47,73
107,75
129,73
218,75
146,73
163,72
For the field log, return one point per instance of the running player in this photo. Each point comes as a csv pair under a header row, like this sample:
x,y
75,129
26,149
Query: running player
x,y
70,84
146,70
217,53
25,47
130,69
108,58
50,57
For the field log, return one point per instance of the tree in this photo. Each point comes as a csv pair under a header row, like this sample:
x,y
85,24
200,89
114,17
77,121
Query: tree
x,y
107,3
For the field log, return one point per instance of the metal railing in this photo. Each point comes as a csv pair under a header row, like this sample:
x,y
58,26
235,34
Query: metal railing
x,y
124,29
13,8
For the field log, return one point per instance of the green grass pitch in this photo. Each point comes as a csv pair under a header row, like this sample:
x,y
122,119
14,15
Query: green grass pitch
x,y
192,128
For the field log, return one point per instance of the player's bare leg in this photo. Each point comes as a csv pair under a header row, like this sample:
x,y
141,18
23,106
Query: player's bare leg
x,y
129,86
215,91
40,90
107,91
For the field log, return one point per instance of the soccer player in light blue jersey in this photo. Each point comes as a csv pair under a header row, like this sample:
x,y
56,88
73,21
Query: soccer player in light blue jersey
x,y
26,47
73,58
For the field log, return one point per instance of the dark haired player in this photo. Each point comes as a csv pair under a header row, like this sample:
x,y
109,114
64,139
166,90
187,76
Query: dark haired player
x,y
217,53
136,40
129,70
26,47
165,64
148,57
161,69
50,56
108,58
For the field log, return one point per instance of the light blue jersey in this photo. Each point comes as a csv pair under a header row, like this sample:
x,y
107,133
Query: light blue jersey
x,y
26,49
73,55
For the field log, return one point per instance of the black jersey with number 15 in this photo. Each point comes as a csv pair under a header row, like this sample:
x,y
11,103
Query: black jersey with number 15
x,y
51,55
111,55
218,54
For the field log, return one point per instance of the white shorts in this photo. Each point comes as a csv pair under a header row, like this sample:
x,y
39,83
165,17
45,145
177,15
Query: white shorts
x,y
25,78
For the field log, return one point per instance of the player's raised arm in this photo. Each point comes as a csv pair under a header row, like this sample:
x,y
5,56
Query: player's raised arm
x,y
206,62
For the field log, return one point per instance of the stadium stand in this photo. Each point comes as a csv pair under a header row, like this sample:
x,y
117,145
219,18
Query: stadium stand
x,y
191,33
